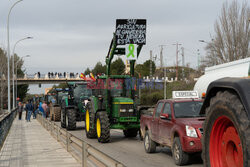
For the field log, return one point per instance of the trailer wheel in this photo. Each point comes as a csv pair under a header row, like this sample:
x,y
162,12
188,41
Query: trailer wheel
x,y
63,118
71,119
130,132
57,113
226,140
90,122
149,144
102,127
180,157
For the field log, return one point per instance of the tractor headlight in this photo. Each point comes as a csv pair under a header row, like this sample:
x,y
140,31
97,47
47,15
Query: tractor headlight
x,y
131,110
122,110
190,131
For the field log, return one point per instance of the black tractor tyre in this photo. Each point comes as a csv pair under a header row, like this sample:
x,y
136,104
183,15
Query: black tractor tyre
x,y
63,118
149,144
104,136
91,133
228,105
130,132
180,157
71,119
57,114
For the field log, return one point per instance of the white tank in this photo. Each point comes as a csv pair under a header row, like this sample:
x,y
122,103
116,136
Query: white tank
x,y
239,68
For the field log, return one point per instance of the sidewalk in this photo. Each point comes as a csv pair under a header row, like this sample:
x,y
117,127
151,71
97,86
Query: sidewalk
x,y
30,145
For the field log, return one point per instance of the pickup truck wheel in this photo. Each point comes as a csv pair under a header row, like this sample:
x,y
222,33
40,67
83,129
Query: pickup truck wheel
x,y
130,132
226,140
102,127
149,144
180,157
63,119
90,128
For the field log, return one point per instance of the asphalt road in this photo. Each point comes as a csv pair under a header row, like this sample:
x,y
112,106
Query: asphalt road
x,y
130,151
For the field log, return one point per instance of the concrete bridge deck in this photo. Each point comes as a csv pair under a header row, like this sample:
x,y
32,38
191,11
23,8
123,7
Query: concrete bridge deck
x,y
30,145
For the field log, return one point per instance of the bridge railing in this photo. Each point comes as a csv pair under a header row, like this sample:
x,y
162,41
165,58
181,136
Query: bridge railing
x,y
6,120
81,150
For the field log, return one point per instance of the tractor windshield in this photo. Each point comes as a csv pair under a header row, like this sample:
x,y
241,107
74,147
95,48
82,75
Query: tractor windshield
x,y
119,87
52,98
82,91
61,95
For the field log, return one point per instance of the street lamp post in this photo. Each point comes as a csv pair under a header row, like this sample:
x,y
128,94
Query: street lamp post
x,y
8,53
16,69
13,69
212,45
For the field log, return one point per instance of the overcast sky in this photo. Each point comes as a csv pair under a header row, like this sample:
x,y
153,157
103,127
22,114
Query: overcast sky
x,y
70,35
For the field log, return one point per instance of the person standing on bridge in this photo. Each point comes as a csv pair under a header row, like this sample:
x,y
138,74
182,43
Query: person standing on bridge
x,y
29,108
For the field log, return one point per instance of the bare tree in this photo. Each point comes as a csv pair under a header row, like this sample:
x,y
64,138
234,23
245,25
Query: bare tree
x,y
232,35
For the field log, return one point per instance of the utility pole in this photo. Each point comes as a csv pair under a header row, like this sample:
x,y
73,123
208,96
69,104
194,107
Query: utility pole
x,y
198,59
182,53
162,66
177,44
165,83
151,59
161,56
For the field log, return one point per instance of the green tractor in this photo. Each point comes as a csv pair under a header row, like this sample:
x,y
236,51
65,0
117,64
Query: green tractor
x,y
56,102
114,102
73,105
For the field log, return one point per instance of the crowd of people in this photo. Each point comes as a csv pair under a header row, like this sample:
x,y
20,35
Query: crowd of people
x,y
32,108
58,74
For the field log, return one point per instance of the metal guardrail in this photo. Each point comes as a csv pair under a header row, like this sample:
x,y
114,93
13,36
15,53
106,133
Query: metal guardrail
x,y
6,121
82,151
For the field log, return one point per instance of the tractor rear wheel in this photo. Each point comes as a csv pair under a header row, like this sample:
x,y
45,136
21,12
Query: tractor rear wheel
x,y
71,119
102,127
63,118
226,140
130,132
90,128
57,114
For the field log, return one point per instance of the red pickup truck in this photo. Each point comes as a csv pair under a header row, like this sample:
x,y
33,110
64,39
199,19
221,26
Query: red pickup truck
x,y
175,123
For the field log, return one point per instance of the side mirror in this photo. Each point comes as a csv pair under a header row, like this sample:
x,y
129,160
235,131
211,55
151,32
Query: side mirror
x,y
164,116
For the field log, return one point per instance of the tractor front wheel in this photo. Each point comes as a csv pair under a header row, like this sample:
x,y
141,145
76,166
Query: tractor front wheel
x,y
102,127
71,119
63,118
90,122
226,140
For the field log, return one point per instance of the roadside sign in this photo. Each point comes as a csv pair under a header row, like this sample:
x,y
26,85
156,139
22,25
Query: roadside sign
x,y
185,94
131,52
130,31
